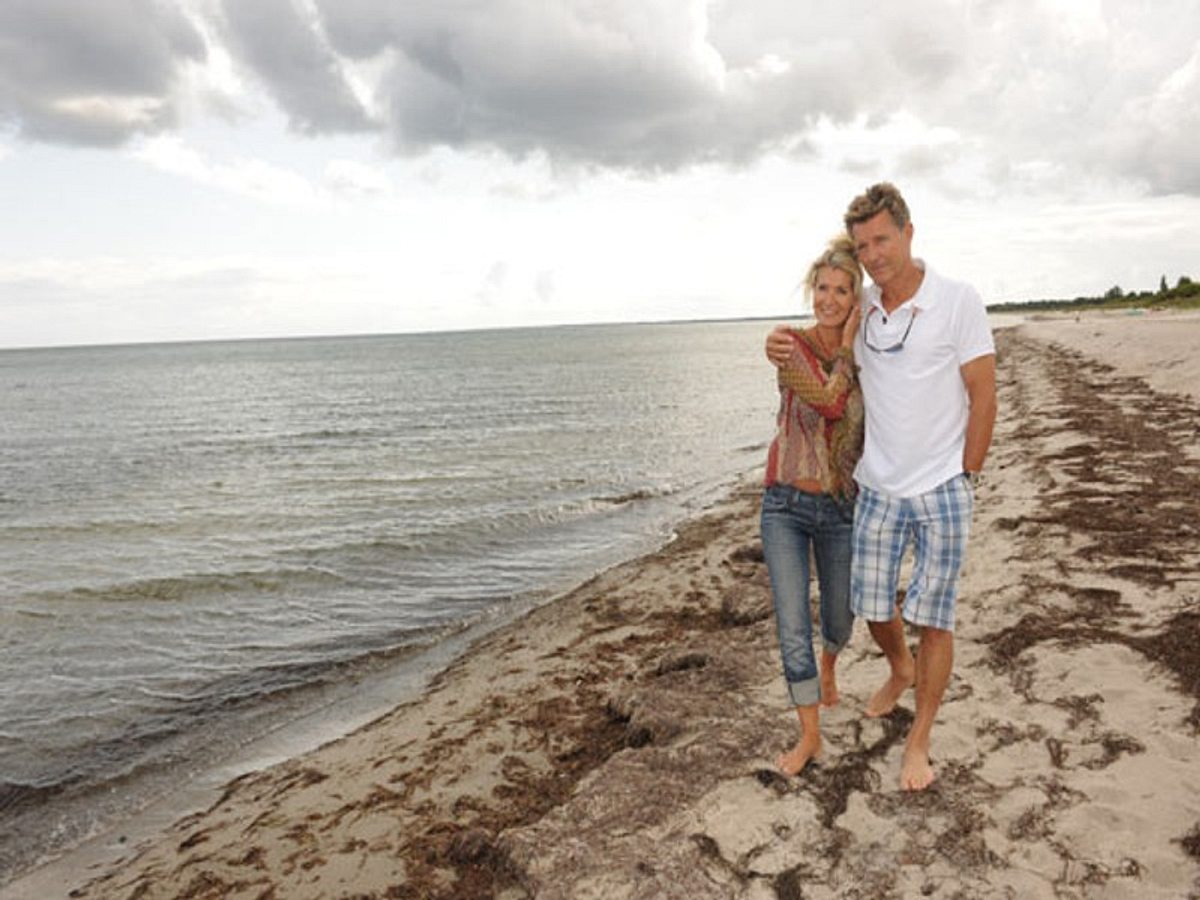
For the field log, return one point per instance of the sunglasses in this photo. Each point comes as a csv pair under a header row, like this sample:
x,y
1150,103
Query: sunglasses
x,y
894,348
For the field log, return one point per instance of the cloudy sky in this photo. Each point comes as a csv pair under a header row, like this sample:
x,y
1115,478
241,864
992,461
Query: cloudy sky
x,y
193,169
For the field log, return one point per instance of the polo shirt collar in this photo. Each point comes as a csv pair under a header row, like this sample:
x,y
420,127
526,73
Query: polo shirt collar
x,y
926,296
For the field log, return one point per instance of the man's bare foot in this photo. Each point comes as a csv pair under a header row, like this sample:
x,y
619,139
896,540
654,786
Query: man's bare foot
x,y
829,688
916,773
886,698
794,761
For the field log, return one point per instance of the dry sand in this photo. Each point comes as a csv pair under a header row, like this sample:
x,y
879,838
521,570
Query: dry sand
x,y
618,742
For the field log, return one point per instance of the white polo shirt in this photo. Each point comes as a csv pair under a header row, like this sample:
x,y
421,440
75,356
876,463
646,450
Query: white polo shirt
x,y
915,399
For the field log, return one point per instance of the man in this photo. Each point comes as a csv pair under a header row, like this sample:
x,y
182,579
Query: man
x,y
928,374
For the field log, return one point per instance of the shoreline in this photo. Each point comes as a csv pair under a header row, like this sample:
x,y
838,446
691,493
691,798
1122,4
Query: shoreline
x,y
617,741
337,712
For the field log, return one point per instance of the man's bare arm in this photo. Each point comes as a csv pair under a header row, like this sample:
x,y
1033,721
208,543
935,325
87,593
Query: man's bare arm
x,y
979,376
779,346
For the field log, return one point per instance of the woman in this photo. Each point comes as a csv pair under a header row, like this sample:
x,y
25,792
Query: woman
x,y
808,501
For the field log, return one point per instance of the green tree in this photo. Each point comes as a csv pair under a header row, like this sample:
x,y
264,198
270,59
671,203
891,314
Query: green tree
x,y
1187,288
1114,293
1162,285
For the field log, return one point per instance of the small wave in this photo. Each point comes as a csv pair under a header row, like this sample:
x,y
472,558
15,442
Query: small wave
x,y
324,435
516,524
640,494
111,528
454,538
14,795
123,747
175,588
366,552
310,664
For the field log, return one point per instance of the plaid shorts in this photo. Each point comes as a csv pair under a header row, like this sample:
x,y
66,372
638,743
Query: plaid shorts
x,y
937,523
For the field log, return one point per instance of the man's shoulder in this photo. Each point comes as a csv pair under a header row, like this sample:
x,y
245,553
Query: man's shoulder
x,y
946,285
959,300
966,315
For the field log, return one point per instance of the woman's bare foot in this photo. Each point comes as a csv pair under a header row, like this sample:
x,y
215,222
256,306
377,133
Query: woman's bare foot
x,y
829,688
794,761
916,773
886,698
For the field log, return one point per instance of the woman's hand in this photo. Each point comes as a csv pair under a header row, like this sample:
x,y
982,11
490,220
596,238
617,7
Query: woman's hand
x,y
779,346
850,327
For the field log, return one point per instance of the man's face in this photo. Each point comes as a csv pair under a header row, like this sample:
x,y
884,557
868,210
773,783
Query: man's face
x,y
884,250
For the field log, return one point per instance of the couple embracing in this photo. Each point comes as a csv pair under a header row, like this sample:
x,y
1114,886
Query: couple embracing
x,y
887,404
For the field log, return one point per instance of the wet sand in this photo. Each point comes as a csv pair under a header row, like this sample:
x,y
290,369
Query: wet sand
x,y
619,742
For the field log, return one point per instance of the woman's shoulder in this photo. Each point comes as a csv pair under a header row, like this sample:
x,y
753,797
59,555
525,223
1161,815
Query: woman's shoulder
x,y
811,345
806,352
802,337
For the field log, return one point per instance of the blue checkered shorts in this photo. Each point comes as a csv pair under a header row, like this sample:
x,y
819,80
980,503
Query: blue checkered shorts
x,y
937,523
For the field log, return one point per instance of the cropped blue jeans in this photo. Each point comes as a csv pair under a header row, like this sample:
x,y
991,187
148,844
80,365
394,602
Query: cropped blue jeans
x,y
794,523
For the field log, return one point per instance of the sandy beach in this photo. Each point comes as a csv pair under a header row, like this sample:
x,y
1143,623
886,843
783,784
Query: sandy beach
x,y
618,742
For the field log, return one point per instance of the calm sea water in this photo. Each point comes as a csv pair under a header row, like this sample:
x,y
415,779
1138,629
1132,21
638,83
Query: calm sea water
x,y
195,537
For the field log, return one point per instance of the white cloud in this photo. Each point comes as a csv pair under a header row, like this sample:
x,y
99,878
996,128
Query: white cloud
x,y
127,113
1078,21
248,177
1157,139
348,176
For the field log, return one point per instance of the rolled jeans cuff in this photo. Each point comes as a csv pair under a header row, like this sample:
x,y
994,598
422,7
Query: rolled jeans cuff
x,y
805,693
834,649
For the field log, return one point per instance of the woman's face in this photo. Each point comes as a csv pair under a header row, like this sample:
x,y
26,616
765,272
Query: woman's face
x,y
833,296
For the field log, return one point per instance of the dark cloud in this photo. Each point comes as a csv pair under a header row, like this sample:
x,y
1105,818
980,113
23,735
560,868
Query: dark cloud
x,y
649,85
295,64
91,73
614,84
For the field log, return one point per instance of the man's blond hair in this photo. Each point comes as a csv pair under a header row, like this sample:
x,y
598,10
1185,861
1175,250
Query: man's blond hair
x,y
881,197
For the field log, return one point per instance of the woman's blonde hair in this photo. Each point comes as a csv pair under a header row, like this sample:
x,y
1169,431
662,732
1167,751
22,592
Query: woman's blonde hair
x,y
839,254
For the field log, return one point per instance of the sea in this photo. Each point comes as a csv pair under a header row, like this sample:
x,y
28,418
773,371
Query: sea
x,y
205,544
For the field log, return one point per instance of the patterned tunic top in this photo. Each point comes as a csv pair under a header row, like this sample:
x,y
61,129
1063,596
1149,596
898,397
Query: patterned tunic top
x,y
819,429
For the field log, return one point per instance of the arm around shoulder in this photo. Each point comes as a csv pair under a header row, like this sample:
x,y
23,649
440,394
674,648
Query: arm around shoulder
x,y
779,345
827,394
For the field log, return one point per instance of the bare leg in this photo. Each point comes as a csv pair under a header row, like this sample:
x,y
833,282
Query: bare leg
x,y
890,638
829,689
808,746
935,659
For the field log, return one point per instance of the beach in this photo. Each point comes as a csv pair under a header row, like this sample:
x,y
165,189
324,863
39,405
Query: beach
x,y
618,741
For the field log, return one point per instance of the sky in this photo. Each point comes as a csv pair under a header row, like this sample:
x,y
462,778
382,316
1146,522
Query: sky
x,y
208,169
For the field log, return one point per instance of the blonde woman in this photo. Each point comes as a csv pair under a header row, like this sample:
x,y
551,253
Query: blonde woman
x,y
808,501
